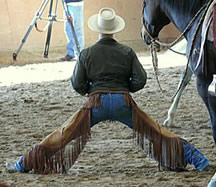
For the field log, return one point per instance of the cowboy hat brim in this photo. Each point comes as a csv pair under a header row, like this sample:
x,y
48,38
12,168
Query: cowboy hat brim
x,y
118,26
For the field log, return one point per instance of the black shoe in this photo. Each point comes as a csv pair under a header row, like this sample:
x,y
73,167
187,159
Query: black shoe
x,y
66,58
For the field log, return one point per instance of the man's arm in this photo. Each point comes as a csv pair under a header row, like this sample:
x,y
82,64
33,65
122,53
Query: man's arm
x,y
139,75
79,80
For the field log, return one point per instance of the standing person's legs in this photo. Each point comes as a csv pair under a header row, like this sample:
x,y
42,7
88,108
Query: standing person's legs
x,y
76,12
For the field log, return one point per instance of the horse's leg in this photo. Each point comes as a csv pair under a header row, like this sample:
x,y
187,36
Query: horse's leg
x,y
210,102
185,79
212,112
203,81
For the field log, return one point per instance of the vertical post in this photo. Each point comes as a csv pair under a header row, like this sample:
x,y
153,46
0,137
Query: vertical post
x,y
50,17
34,21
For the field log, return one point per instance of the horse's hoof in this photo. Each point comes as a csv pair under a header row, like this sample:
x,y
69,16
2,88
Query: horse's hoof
x,y
167,123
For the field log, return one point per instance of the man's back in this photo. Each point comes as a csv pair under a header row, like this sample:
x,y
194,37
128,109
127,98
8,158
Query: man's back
x,y
109,66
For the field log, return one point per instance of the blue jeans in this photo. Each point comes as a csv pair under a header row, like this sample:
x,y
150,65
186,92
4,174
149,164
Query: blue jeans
x,y
194,157
76,12
113,108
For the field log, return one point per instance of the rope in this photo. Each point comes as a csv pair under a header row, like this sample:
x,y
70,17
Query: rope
x,y
169,45
177,52
156,42
42,30
153,49
192,45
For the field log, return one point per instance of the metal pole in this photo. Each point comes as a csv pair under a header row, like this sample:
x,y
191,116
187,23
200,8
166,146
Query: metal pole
x,y
36,17
51,19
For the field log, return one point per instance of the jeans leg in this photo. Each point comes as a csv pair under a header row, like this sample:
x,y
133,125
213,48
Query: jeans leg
x,y
120,111
19,166
194,157
113,107
101,113
76,13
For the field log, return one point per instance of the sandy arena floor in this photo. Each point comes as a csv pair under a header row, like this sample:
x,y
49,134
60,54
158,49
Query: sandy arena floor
x,y
37,98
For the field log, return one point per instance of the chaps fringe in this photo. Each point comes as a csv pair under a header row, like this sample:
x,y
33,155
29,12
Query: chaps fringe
x,y
59,150
159,143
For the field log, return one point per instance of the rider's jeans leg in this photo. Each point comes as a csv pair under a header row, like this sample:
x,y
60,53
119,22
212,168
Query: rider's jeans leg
x,y
194,157
113,107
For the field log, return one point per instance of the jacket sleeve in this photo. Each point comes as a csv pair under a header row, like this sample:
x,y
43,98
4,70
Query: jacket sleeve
x,y
79,79
138,76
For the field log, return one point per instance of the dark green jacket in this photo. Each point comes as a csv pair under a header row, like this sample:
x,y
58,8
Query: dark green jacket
x,y
108,66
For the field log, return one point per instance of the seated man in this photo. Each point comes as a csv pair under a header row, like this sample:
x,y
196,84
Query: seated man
x,y
107,71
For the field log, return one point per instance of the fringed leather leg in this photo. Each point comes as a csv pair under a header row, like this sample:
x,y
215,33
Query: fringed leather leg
x,y
157,141
59,150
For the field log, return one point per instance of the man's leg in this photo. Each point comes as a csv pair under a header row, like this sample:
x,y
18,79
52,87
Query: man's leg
x,y
169,142
16,167
194,157
101,113
41,159
76,11
120,111
112,107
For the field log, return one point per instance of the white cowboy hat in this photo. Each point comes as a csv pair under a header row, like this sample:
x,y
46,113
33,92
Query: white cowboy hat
x,y
106,22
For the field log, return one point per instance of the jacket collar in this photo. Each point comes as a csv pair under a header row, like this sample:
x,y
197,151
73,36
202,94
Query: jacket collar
x,y
106,39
